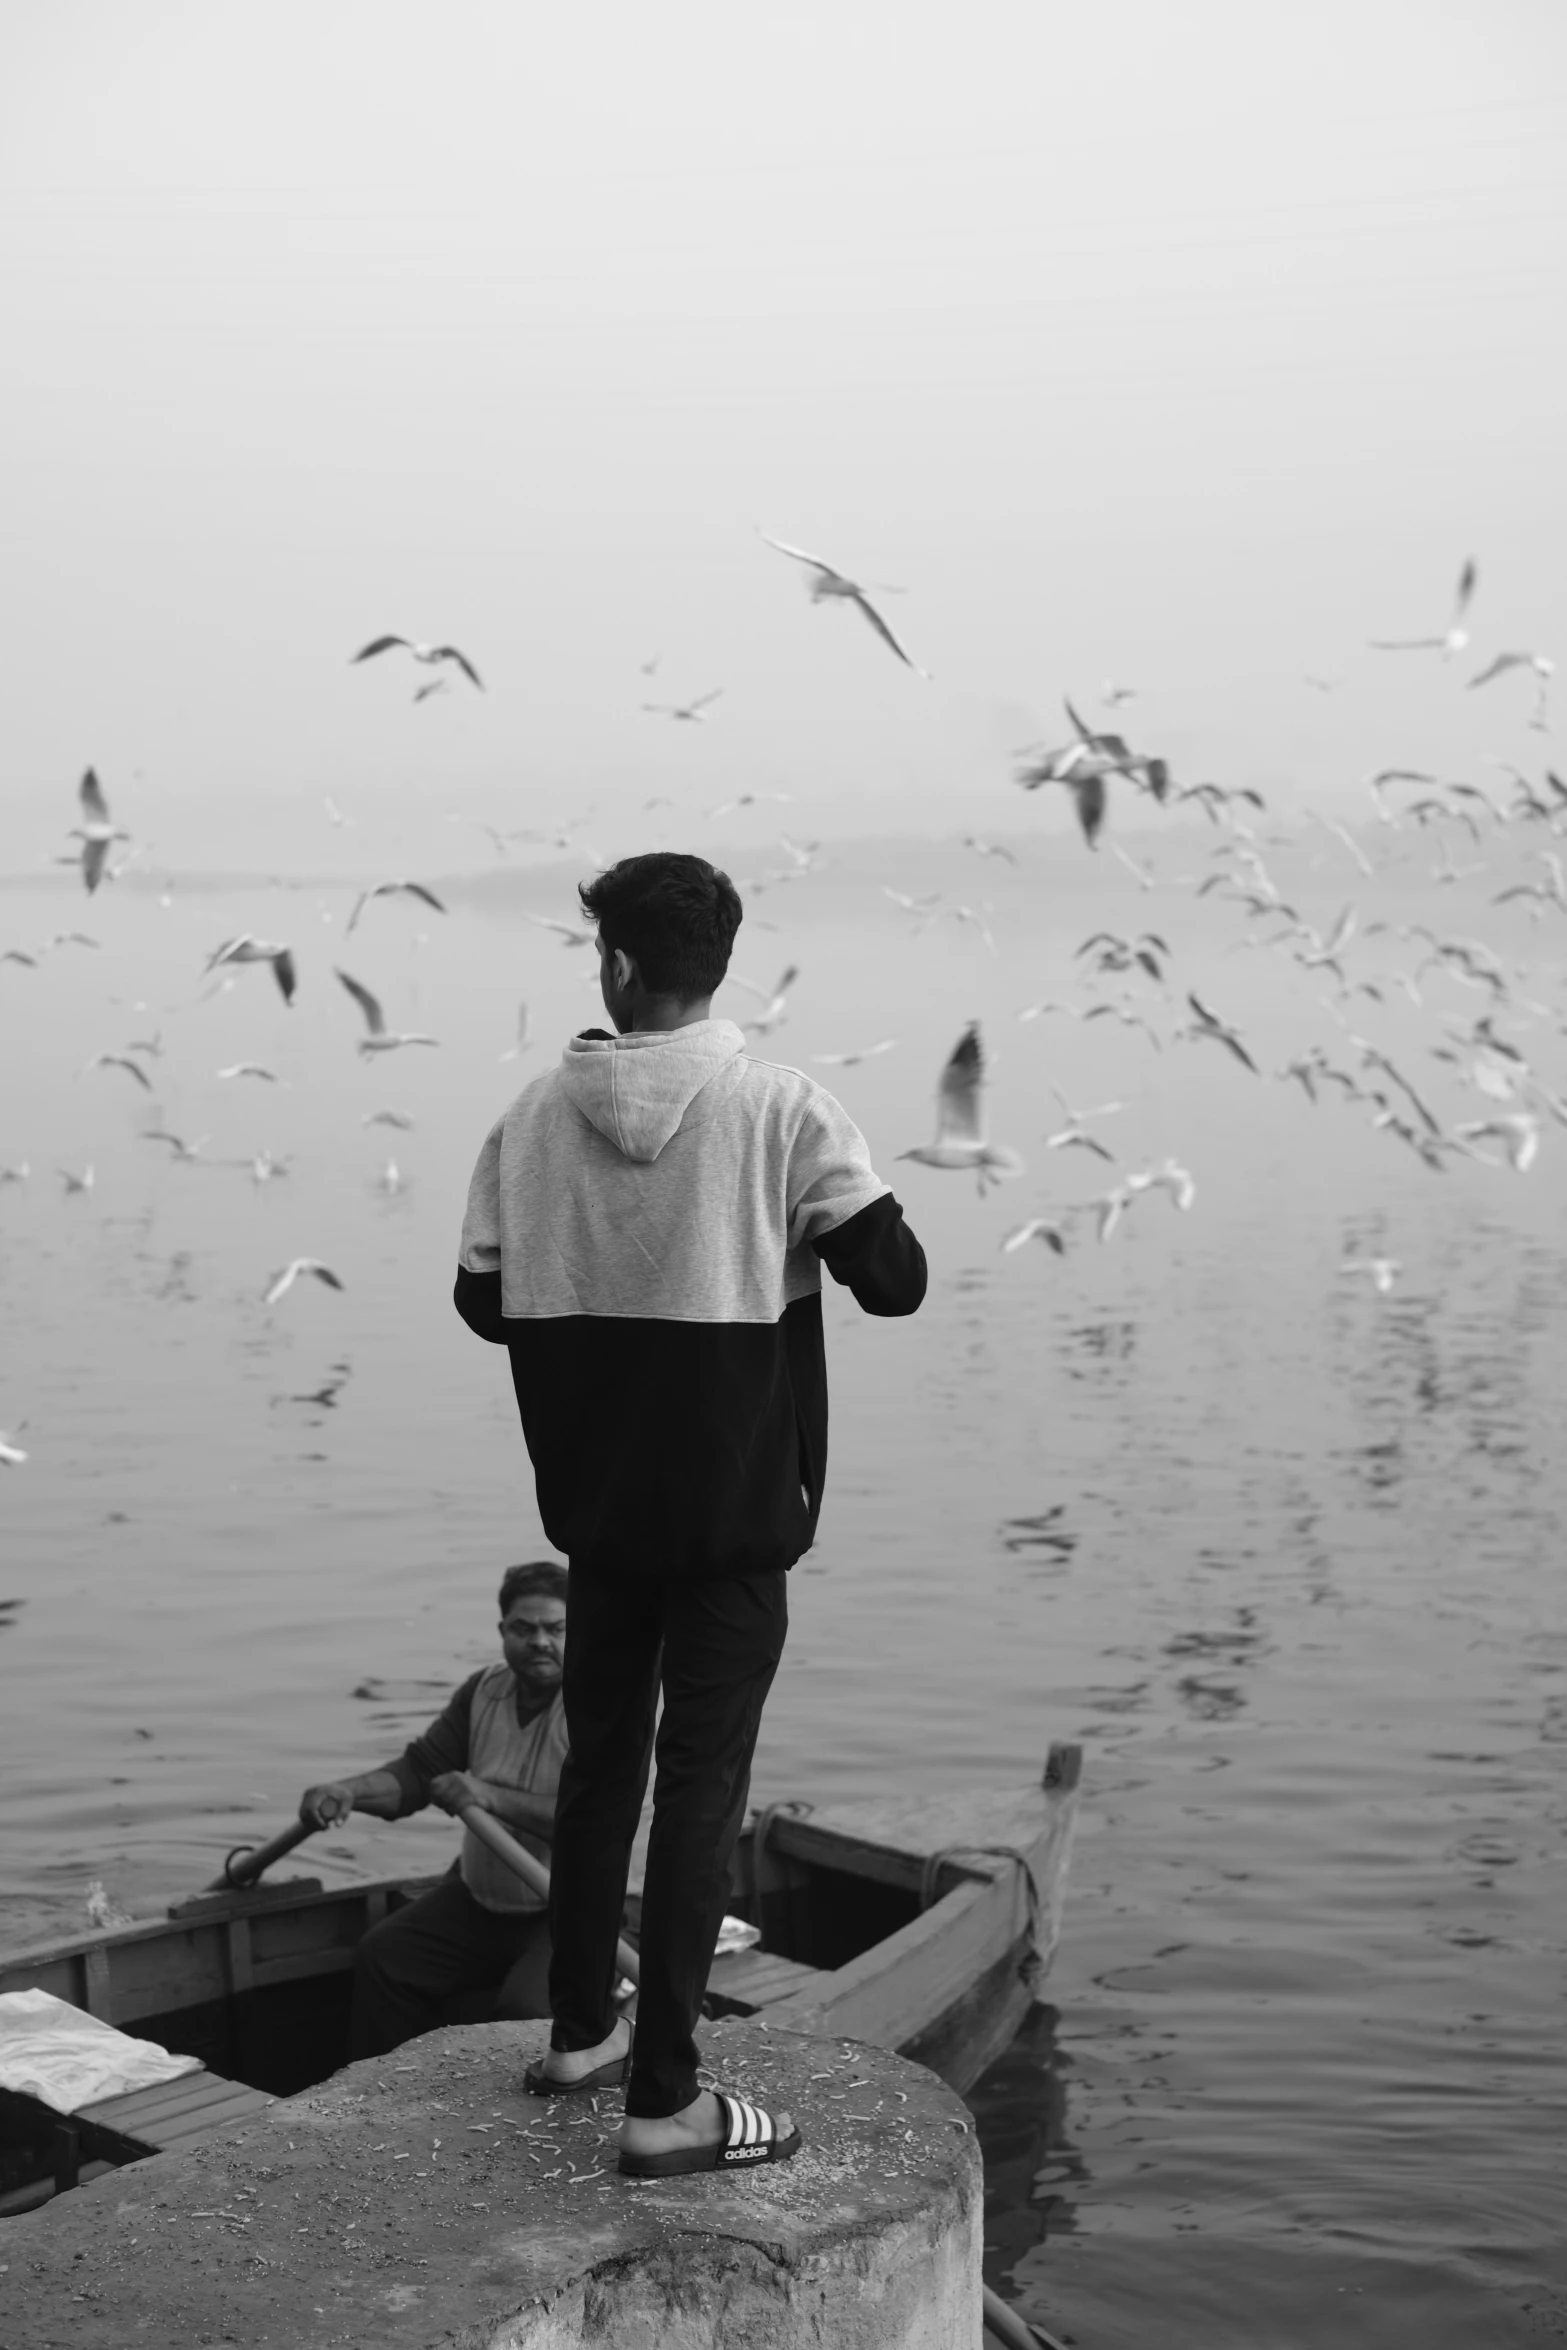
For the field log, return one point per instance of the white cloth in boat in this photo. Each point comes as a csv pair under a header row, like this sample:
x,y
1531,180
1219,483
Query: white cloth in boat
x,y
510,1754
59,2053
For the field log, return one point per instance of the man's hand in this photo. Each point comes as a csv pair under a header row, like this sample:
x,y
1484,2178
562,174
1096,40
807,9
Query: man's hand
x,y
324,1806
454,1791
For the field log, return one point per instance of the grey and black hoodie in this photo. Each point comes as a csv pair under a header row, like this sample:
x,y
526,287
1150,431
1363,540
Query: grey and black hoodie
x,y
645,1233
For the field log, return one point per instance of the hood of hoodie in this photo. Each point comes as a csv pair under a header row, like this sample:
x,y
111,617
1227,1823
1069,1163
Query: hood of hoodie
x,y
636,1089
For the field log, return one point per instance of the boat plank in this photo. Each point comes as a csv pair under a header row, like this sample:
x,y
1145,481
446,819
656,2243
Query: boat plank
x,y
753,1977
167,2098
188,2129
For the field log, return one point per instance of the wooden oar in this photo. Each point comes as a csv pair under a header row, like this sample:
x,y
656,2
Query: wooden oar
x,y
1014,2331
247,1861
505,1847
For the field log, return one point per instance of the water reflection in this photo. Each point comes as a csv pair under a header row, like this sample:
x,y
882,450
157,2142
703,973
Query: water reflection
x,y
1033,2172
325,1396
1045,1531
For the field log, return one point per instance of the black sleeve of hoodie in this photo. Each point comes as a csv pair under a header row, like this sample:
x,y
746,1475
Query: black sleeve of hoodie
x,y
876,1256
477,1298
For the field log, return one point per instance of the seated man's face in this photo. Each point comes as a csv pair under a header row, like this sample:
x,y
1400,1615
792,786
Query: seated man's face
x,y
533,1640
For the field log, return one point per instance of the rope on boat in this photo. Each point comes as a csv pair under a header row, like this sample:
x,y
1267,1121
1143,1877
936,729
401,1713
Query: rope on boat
x,y
762,1828
1031,1966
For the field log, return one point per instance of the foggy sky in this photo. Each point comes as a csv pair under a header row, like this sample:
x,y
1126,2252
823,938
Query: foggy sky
x,y
1192,345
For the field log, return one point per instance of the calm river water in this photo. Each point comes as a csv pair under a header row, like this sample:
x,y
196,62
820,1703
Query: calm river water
x,y
1283,1552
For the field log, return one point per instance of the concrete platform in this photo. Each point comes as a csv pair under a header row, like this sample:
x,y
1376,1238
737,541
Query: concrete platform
x,y
424,2199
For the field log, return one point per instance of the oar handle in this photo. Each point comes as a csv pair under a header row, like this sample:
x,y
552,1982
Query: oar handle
x,y
488,1829
247,1861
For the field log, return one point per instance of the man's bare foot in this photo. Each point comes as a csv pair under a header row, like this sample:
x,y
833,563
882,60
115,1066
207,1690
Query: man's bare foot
x,y
571,2064
701,2123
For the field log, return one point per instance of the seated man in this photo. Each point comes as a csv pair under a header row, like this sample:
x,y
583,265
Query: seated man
x,y
499,1744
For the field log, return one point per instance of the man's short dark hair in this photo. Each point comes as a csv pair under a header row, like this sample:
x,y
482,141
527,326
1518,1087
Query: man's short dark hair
x,y
542,1576
675,916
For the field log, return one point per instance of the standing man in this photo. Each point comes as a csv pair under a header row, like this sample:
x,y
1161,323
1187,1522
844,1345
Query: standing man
x,y
499,1744
645,1233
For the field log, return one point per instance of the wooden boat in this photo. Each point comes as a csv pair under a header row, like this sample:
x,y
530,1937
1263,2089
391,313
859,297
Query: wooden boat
x,y
921,1926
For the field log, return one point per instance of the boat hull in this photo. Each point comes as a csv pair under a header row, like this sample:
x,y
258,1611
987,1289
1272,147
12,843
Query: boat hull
x,y
924,1927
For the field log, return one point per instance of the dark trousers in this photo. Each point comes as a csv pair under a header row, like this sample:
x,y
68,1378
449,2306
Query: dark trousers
x,y
714,1647
413,1962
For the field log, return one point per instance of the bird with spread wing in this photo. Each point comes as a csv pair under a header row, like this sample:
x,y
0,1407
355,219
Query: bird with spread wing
x,y
960,1125
774,1001
378,1038
827,583
428,654
691,713
246,949
393,889
97,831
1454,637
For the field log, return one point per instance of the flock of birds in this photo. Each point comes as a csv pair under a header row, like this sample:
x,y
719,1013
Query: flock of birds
x,y
1484,1048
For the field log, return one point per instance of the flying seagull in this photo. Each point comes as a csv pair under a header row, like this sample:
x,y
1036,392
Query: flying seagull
x,y
246,949
960,1130
1075,1131
1542,667
513,1051
96,832
569,936
691,712
1341,832
249,1069
1456,636
1115,953
827,582
378,1037
11,1455
282,1282
1037,1228
1085,765
774,1003
867,1052
1169,1177
426,653
189,1151
1208,1024
389,1118
1519,1134
1083,772
392,889
120,1061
